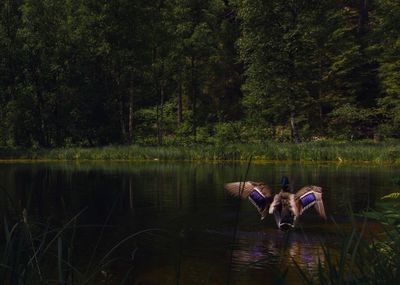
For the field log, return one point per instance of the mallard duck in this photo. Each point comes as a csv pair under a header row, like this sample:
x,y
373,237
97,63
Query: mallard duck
x,y
286,207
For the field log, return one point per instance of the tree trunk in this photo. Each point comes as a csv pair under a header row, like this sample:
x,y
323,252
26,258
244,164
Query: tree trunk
x,y
39,109
194,99
180,117
42,133
320,94
130,120
294,133
121,119
161,118
363,17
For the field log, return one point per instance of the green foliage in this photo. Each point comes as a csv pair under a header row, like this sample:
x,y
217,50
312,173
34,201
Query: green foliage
x,y
301,65
350,122
93,73
364,259
227,132
390,108
396,180
387,49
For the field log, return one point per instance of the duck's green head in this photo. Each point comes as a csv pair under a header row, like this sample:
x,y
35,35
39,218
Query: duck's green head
x,y
285,184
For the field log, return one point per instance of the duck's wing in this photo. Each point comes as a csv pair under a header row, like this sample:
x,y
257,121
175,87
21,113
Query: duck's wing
x,y
308,197
244,189
258,193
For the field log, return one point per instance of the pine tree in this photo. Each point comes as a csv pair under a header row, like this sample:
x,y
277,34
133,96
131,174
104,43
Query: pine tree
x,y
10,70
299,57
387,44
40,97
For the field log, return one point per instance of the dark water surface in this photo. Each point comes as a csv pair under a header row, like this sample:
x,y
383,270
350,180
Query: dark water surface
x,y
191,220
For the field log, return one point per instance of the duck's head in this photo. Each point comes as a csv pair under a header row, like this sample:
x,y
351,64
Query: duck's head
x,y
285,210
285,184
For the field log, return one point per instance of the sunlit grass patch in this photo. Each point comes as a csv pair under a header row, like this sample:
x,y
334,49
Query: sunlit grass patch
x,y
267,151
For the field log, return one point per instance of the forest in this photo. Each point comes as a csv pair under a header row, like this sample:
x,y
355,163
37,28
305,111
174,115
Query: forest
x,y
122,120
176,72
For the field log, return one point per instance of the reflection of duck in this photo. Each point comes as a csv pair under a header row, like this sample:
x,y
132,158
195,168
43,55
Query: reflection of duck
x,y
287,207
256,250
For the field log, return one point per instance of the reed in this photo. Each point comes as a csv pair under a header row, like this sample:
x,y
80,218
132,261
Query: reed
x,y
33,253
325,151
373,260
236,221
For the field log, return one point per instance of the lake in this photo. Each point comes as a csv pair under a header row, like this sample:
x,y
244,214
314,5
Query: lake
x,y
193,232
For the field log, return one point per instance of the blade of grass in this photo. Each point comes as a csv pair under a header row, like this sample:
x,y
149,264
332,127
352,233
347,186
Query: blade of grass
x,y
358,241
343,256
104,261
6,230
126,239
69,265
57,235
302,273
241,189
27,229
10,199
59,260
102,231
321,277
125,279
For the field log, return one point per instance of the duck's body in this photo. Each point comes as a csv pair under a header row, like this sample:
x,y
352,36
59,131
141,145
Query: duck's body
x,y
286,207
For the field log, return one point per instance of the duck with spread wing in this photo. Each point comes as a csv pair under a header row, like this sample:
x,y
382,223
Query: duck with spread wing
x,y
286,207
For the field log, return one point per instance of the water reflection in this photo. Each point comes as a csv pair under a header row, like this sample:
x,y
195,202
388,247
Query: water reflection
x,y
188,201
256,250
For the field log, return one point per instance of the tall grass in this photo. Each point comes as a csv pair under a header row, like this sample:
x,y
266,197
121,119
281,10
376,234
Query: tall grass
x,y
236,221
34,253
363,260
364,151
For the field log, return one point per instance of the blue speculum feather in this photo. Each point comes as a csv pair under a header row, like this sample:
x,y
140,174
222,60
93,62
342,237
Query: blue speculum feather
x,y
258,199
307,199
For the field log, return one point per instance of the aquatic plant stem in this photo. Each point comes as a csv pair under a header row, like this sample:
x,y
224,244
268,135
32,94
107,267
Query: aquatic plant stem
x,y
33,249
57,235
235,229
104,261
102,232
179,261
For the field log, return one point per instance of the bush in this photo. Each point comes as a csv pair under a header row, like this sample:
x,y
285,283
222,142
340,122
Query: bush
x,y
225,133
351,122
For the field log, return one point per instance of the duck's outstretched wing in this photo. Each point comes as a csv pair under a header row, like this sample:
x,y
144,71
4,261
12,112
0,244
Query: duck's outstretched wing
x,y
243,189
259,194
308,197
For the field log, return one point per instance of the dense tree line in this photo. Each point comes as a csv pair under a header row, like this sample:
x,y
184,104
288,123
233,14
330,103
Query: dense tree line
x,y
96,72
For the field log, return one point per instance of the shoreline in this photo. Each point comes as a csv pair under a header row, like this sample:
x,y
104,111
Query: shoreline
x,y
271,152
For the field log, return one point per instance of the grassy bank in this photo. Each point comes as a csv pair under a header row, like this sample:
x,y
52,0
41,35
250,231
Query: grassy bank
x,y
363,151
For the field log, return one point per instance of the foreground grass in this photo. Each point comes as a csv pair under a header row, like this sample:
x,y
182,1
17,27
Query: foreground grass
x,y
364,151
375,260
